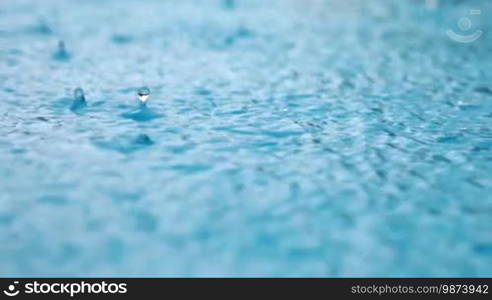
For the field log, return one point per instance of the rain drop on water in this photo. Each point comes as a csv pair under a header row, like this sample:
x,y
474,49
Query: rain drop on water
x,y
61,53
143,94
78,99
78,94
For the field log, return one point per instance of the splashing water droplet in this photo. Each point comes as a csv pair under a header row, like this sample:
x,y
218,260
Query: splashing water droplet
x,y
78,94
61,53
143,139
78,99
143,94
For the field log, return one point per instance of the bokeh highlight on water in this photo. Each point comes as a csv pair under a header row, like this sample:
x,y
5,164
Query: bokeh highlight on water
x,y
281,138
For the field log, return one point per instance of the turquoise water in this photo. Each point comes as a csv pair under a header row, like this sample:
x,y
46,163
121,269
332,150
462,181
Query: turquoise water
x,y
281,138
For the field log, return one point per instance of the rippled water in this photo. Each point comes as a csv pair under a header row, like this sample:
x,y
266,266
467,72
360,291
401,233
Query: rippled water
x,y
281,138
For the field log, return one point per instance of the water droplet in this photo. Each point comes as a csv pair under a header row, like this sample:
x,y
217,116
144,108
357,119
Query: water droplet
x,y
143,94
41,27
78,94
61,53
143,139
78,99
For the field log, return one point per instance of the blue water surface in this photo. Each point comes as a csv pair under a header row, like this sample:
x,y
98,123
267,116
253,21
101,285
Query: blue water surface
x,y
281,138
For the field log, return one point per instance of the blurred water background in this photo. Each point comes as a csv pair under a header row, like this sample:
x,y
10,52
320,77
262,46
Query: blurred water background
x,y
281,138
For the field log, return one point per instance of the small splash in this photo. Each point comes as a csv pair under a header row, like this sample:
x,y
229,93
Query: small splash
x,y
143,94
61,53
144,140
78,94
240,33
78,99
143,114
41,27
